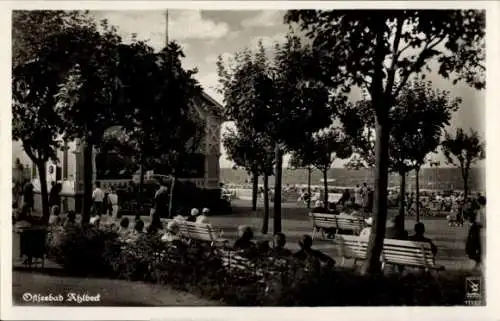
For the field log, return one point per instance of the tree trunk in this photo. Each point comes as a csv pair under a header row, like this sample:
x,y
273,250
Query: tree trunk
x,y
44,191
325,186
377,235
381,102
402,191
141,184
255,190
87,180
277,189
265,222
417,193
309,171
465,177
171,200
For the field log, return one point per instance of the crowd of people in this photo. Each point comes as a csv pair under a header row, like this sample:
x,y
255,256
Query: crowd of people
x,y
105,215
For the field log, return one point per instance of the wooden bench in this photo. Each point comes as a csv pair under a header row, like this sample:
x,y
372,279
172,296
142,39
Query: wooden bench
x,y
398,252
199,232
323,221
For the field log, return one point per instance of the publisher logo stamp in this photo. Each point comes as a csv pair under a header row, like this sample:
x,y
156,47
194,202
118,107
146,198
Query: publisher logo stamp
x,y
473,291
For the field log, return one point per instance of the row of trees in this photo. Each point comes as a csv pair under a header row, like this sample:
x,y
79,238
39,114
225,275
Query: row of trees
x,y
75,78
296,101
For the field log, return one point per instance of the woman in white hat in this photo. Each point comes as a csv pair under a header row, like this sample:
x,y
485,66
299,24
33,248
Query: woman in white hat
x,y
365,232
203,218
194,214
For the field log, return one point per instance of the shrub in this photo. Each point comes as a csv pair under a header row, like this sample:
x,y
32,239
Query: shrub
x,y
83,250
198,269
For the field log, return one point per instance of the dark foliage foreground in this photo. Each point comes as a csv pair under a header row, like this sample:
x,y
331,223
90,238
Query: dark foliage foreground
x,y
198,269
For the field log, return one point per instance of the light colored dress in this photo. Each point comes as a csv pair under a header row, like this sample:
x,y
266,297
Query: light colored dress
x,y
113,199
358,199
365,233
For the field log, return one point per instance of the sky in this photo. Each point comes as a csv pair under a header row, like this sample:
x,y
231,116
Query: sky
x,y
204,35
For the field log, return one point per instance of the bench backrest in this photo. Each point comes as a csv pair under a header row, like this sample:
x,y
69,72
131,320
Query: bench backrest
x,y
196,231
408,253
394,251
351,246
321,220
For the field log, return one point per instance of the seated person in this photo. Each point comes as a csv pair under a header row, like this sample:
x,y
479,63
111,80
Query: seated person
x,y
94,218
279,246
263,248
318,208
244,242
95,221
365,232
137,233
203,218
307,253
419,237
393,232
172,234
70,219
123,230
55,218
194,213
332,208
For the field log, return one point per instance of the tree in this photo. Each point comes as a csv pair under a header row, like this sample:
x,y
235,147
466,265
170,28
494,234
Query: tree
x,y
34,121
255,153
379,50
160,123
88,97
32,29
324,147
419,117
35,80
280,99
462,151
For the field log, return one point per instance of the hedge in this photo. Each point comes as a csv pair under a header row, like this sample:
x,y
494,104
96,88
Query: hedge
x,y
198,269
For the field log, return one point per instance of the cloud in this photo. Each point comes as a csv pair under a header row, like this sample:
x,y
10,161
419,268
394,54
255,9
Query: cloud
x,y
212,59
266,18
151,26
189,24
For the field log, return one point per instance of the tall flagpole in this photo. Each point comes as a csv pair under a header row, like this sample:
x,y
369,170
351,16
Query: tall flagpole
x,y
166,27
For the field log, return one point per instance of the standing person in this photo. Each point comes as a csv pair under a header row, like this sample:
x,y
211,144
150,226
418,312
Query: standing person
x,y
113,202
29,195
160,201
365,197
55,195
98,198
370,201
358,199
473,247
